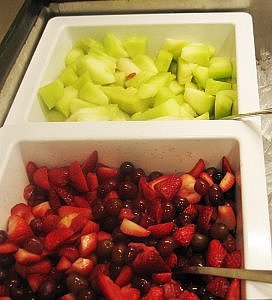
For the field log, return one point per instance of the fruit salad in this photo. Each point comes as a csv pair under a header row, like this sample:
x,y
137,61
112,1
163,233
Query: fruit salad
x,y
115,79
92,231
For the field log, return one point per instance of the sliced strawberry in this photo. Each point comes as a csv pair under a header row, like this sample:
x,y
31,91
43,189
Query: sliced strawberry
x,y
66,210
108,288
187,189
154,209
124,276
172,260
42,267
7,248
70,252
40,210
192,210
146,190
172,289
218,286
103,235
130,293
161,278
54,199
57,237
99,269
198,168
187,295
126,213
169,187
77,177
87,244
31,167
92,181
50,222
78,223
40,178
229,243
184,234
207,177
226,167
227,182
104,172
83,266
59,176
25,257
63,264
18,229
81,201
66,193
130,228
215,254
69,296
35,280
161,230
234,292
206,218
233,260
20,209
90,227
226,216
89,164
154,293
149,261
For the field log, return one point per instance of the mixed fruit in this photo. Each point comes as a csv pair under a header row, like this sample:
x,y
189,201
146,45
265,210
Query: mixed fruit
x,y
92,231
115,79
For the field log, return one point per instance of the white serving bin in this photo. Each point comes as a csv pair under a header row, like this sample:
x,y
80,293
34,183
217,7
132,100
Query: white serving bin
x,y
230,33
175,147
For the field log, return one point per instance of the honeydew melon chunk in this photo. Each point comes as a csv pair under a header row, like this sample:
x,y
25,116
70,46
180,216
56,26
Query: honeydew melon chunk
x,y
82,79
87,43
104,57
223,105
76,104
199,100
100,72
51,93
163,94
220,68
114,46
145,63
214,86
96,113
68,76
184,71
63,104
205,116
175,87
197,53
201,74
138,79
55,116
135,45
72,55
188,108
167,108
127,66
120,78
173,67
174,46
150,88
126,98
191,85
163,60
93,93
184,114
180,99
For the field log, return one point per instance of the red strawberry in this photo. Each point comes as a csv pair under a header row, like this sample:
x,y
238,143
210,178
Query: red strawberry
x,y
229,243
109,289
226,216
83,266
66,193
87,244
40,178
63,264
7,248
154,209
66,221
66,210
154,293
205,218
89,164
104,172
233,260
103,235
54,199
187,189
215,254
59,176
99,269
78,222
90,227
31,167
187,295
42,267
70,252
77,177
191,210
226,165
149,261
67,297
161,230
25,257
126,213
92,181
130,228
18,229
172,260
124,276
40,210
207,177
183,235
57,237
161,278
172,289
146,190
218,286
50,222
81,201
227,182
130,293
20,209
35,280
169,187
233,292
198,168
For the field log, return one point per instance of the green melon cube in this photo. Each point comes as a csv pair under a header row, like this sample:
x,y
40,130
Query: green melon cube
x,y
73,55
201,75
51,93
163,60
145,63
127,66
188,108
175,87
205,116
135,45
114,46
163,94
184,71
87,43
76,104
220,68
196,53
223,105
138,79
174,46
63,104
214,86
93,93
120,78
82,79
68,76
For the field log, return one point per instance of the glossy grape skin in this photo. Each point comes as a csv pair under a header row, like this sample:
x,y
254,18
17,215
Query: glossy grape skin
x,y
199,242
219,231
104,248
127,190
216,196
76,283
201,186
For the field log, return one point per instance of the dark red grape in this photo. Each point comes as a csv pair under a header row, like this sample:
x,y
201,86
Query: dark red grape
x,y
199,242
104,248
113,206
219,231
76,283
168,212
127,190
201,186
216,196
154,175
126,168
166,246
180,203
136,175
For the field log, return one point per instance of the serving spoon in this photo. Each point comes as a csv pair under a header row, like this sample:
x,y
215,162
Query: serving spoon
x,y
249,114
246,274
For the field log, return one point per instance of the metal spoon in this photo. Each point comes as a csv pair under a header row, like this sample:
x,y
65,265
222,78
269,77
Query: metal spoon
x,y
246,274
249,114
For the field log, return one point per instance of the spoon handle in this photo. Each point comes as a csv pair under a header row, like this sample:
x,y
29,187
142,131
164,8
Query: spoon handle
x,y
246,274
249,114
